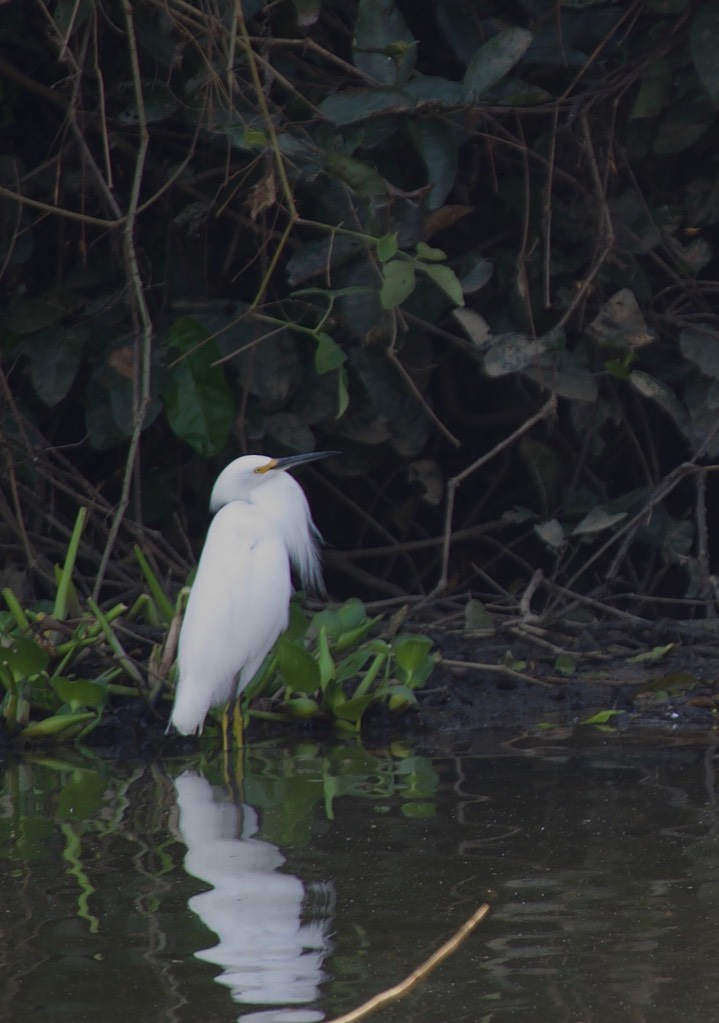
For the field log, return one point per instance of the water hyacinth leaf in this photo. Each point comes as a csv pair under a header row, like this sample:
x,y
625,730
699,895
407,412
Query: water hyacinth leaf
x,y
411,651
704,41
80,692
197,400
300,671
565,665
81,796
22,658
59,727
655,654
352,613
162,601
63,589
327,620
397,284
324,659
304,708
477,617
352,710
398,697
494,59
352,665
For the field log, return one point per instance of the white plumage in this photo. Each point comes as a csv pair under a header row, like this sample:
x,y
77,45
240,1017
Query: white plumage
x,y
239,601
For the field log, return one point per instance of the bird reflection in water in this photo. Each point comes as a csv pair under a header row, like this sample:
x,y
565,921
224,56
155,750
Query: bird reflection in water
x,y
268,955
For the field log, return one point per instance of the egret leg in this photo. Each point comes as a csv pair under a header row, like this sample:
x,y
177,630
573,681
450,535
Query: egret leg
x,y
225,727
238,724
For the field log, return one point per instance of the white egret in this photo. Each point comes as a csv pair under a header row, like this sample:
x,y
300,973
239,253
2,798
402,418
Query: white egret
x,y
239,601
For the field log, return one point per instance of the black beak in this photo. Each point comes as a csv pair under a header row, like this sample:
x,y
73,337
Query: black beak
x,y
310,456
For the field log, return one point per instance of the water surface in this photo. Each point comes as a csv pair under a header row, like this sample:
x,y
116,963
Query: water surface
x,y
319,875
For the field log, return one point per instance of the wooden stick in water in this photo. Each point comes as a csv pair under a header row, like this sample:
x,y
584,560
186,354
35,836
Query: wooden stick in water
x,y
399,990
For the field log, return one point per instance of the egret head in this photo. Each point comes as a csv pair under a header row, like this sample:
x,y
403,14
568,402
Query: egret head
x,y
240,478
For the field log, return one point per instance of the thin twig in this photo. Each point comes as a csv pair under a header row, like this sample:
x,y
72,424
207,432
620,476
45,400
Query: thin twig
x,y
143,325
548,409
418,975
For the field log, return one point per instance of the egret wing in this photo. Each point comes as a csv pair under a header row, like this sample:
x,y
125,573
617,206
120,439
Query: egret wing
x,y
237,608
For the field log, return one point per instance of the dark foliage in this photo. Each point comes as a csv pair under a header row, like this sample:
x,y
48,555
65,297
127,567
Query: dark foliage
x,y
469,244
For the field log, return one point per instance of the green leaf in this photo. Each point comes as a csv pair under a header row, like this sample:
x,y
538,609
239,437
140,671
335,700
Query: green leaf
x,y
23,658
699,345
654,90
302,707
324,659
398,283
361,177
352,613
328,355
597,520
197,400
431,254
411,651
492,61
81,797
59,727
682,125
386,247
352,710
655,654
65,583
328,620
162,601
601,718
300,671
343,397
664,396
398,697
704,41
565,665
55,358
436,142
446,279
352,665
80,692
382,44
353,105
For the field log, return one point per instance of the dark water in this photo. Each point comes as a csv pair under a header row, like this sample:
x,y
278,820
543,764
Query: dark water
x,y
159,892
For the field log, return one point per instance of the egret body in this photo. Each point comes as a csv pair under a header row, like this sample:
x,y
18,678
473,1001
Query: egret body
x,y
239,601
